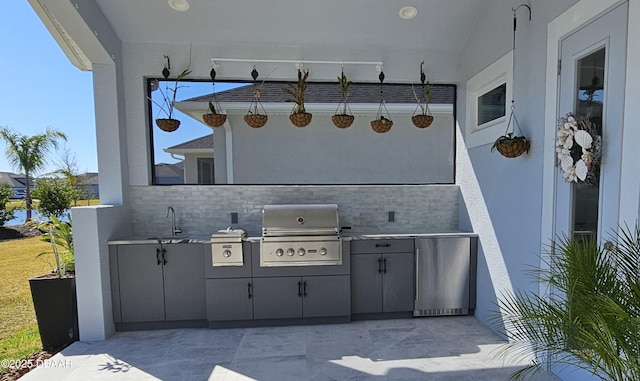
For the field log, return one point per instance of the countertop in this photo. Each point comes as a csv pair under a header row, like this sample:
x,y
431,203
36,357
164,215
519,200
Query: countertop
x,y
346,235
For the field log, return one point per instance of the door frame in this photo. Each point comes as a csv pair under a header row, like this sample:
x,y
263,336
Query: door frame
x,y
562,26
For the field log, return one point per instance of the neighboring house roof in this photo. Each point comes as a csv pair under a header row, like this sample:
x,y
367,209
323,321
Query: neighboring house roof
x,y
330,93
203,144
169,170
13,179
197,143
88,178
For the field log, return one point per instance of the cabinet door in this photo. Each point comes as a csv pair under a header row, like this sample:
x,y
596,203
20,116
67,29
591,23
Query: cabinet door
x,y
279,297
229,299
326,296
141,284
398,282
366,283
184,282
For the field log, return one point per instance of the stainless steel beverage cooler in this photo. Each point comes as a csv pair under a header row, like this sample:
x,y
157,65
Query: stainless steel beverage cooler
x,y
445,276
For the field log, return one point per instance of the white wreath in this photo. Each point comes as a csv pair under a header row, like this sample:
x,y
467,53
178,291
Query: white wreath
x,y
578,149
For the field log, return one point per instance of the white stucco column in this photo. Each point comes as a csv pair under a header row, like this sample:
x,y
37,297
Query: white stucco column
x,y
629,172
92,228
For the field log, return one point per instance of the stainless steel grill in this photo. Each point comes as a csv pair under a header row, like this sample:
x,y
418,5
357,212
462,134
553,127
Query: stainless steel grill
x,y
300,235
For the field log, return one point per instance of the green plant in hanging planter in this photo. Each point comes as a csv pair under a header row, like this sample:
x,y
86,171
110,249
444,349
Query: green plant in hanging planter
x,y
424,118
344,119
215,118
299,116
167,105
511,146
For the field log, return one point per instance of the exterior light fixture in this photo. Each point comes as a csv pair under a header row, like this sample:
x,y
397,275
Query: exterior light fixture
x,y
408,12
179,5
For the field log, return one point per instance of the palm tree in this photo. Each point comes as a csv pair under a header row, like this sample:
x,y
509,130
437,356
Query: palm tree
x,y
29,153
591,319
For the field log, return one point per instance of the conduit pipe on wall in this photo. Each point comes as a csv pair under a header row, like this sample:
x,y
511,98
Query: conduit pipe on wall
x,y
228,149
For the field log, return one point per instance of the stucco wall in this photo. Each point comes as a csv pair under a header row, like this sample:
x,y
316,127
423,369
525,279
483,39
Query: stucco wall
x,y
511,189
280,153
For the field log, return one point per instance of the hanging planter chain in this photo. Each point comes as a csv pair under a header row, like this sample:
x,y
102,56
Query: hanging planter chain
x,y
509,145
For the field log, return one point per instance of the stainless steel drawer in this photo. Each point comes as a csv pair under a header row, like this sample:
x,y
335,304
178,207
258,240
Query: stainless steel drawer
x,y
382,246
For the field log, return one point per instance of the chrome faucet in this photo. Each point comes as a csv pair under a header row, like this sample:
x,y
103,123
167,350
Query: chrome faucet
x,y
175,230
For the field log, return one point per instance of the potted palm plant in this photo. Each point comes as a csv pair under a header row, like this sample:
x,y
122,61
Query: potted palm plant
x,y
344,119
54,294
299,116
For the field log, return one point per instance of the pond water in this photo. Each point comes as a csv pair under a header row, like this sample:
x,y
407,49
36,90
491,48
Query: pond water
x,y
20,215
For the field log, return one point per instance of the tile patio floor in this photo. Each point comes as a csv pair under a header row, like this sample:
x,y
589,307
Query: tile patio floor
x,y
442,348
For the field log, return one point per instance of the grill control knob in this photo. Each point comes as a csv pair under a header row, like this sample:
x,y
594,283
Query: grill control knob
x,y
301,251
290,252
279,252
323,251
226,253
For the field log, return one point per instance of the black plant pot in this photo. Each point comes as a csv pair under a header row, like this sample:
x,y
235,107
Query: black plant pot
x,y
54,300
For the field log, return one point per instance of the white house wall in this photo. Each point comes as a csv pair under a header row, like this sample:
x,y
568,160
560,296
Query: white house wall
x,y
511,189
280,153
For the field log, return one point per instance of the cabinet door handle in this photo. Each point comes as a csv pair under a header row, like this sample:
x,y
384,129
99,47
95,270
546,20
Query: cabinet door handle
x,y
158,256
384,261
164,260
300,289
383,245
379,265
249,294
304,288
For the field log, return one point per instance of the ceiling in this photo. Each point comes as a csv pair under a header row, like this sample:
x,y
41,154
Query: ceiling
x,y
440,25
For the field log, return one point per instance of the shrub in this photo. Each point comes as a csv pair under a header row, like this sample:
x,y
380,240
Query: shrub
x,y
5,194
55,195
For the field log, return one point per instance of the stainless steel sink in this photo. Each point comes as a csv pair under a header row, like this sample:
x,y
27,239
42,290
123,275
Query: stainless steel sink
x,y
169,239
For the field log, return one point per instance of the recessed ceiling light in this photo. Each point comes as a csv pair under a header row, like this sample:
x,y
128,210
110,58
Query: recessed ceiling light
x,y
408,12
179,5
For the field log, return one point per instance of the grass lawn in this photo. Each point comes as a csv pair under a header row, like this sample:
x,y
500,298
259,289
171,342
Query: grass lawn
x,y
19,335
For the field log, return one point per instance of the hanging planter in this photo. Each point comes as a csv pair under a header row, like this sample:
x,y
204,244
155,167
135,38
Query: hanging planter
x,y
510,145
344,119
170,124
167,125
382,124
299,116
254,118
422,117
215,117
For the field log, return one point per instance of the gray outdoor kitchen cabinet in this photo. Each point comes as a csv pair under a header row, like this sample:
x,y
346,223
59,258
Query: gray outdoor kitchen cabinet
x,y
296,297
229,299
382,276
154,282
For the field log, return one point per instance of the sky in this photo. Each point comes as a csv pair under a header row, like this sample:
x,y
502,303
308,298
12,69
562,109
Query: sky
x,y
41,88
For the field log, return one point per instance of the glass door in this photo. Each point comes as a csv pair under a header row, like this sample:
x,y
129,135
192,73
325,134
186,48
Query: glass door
x,y
592,86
